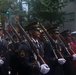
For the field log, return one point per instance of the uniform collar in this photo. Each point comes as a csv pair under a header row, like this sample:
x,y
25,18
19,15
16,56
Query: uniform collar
x,y
34,40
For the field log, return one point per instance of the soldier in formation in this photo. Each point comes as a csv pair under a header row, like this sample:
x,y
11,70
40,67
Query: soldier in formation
x,y
37,53
4,55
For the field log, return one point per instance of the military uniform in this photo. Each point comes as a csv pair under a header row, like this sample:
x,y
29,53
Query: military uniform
x,y
51,57
34,33
4,64
69,65
13,50
27,63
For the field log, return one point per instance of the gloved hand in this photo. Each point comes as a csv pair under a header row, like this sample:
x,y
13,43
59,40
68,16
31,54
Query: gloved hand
x,y
74,56
44,69
61,61
1,62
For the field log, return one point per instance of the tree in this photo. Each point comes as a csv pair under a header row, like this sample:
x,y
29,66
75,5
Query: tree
x,y
15,7
46,10
5,5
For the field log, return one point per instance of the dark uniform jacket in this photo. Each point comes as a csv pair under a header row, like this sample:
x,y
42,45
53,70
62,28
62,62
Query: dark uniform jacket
x,y
5,56
27,62
51,60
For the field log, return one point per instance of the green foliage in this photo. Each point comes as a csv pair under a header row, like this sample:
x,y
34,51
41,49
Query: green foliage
x,y
47,10
15,7
44,10
5,5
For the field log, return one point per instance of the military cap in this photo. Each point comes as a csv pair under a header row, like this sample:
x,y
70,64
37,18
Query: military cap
x,y
73,33
53,30
66,33
33,26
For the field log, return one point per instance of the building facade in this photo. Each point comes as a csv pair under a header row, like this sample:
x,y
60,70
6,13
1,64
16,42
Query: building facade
x,y
70,16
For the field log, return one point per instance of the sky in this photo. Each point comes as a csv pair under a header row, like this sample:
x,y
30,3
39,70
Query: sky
x,y
25,6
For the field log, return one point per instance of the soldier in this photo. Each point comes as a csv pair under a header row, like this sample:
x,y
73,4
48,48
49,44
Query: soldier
x,y
48,54
69,65
27,58
3,55
34,32
51,55
73,45
73,34
13,49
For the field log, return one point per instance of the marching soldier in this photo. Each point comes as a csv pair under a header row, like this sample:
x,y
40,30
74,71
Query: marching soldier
x,y
3,55
13,49
73,40
69,66
51,56
48,54
27,58
73,34
73,45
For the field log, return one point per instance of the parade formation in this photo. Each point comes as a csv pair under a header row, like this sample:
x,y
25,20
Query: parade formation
x,y
36,49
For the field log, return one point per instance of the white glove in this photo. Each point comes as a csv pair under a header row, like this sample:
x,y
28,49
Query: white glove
x,y
44,69
61,61
1,62
74,56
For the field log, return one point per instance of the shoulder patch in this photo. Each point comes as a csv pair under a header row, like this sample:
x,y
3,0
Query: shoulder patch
x,y
22,53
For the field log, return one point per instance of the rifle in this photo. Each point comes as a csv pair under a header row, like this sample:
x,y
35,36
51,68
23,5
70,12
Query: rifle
x,y
52,42
16,33
31,44
10,23
66,44
9,36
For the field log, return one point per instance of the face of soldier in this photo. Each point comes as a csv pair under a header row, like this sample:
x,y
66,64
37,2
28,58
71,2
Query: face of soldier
x,y
42,36
1,32
68,38
55,35
35,34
